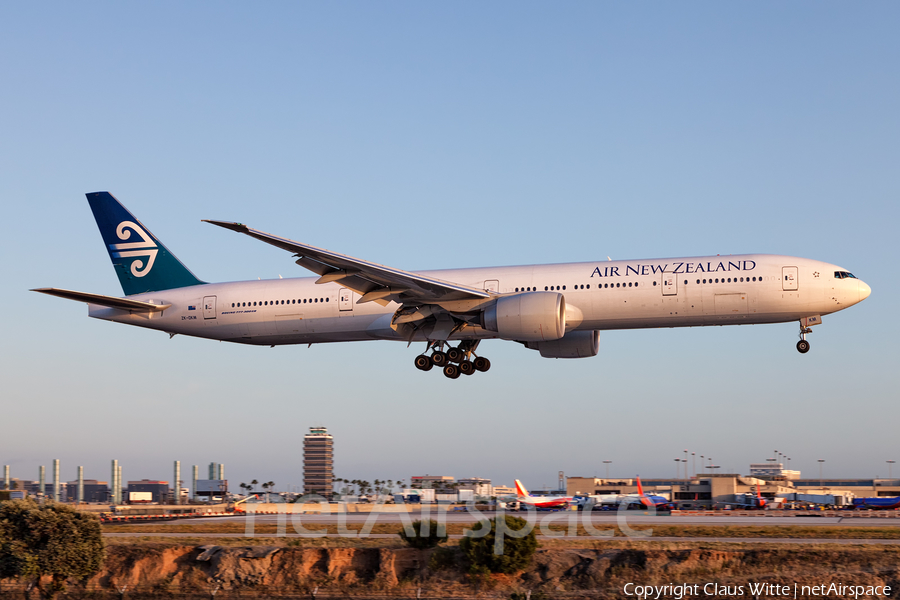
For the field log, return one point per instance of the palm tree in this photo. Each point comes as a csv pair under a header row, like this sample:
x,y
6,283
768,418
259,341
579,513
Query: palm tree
x,y
267,487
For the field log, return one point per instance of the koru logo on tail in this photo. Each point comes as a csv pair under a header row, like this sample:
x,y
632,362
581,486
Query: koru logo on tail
x,y
146,248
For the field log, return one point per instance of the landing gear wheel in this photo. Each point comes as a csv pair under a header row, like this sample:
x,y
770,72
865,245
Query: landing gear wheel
x,y
803,346
423,362
481,364
440,358
451,371
455,354
466,367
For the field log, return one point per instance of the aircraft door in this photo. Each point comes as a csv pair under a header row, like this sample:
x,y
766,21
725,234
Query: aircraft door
x,y
345,300
669,284
789,279
492,285
209,307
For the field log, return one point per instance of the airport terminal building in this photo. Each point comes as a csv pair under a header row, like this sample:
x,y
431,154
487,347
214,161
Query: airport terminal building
x,y
731,490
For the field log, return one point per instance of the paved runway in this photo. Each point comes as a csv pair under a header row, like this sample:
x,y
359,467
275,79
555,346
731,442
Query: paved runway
x,y
599,518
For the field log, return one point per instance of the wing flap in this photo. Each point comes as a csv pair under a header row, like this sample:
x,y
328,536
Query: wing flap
x,y
360,275
108,301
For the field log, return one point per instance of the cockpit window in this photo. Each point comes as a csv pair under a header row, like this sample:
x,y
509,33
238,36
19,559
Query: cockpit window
x,y
844,275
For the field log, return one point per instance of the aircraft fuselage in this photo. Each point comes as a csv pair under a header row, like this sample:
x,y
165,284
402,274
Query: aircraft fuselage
x,y
631,294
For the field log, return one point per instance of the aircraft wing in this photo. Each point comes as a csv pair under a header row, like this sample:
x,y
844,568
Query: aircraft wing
x,y
374,282
109,301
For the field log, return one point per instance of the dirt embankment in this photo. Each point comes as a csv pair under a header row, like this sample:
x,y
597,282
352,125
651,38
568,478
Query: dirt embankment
x,y
246,571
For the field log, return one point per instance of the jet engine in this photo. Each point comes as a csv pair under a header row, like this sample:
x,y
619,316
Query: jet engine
x,y
529,317
575,344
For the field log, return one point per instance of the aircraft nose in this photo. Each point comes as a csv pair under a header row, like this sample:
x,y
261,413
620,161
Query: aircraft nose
x,y
864,291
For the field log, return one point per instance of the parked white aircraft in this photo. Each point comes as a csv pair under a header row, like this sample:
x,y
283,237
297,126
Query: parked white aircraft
x,y
557,310
541,501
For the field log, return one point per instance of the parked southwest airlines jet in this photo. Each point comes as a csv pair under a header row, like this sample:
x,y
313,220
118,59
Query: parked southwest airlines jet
x,y
558,310
541,501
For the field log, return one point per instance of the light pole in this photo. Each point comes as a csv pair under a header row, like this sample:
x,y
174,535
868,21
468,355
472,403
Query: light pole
x,y
821,460
677,469
890,468
685,464
694,463
606,462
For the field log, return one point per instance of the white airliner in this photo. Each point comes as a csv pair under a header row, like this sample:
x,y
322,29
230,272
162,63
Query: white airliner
x,y
541,501
558,310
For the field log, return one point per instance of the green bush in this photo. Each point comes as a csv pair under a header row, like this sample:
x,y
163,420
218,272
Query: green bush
x,y
428,534
508,554
48,540
443,558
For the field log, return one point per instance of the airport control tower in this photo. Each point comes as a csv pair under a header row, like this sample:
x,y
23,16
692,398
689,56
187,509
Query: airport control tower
x,y
318,462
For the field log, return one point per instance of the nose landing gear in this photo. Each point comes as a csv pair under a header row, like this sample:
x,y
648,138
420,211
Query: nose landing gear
x,y
455,361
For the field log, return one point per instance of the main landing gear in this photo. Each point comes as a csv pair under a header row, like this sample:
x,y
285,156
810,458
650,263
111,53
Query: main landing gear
x,y
455,361
803,345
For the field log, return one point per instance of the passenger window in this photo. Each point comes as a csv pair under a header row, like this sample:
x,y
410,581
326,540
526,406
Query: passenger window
x,y
698,281
545,288
654,284
564,287
326,299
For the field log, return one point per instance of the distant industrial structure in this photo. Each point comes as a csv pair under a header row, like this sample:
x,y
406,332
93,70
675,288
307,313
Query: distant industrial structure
x,y
318,462
149,490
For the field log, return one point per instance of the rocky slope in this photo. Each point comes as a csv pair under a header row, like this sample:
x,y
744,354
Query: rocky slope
x,y
259,570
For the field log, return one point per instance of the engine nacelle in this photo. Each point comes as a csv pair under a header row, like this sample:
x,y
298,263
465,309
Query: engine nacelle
x,y
575,344
529,317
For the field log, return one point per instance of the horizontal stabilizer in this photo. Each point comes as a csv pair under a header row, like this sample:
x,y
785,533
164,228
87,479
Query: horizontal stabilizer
x,y
109,301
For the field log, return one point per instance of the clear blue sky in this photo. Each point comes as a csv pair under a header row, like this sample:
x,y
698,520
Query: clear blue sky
x,y
430,135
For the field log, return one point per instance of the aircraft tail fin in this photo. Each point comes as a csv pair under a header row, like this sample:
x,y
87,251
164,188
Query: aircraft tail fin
x,y
142,262
520,489
640,489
